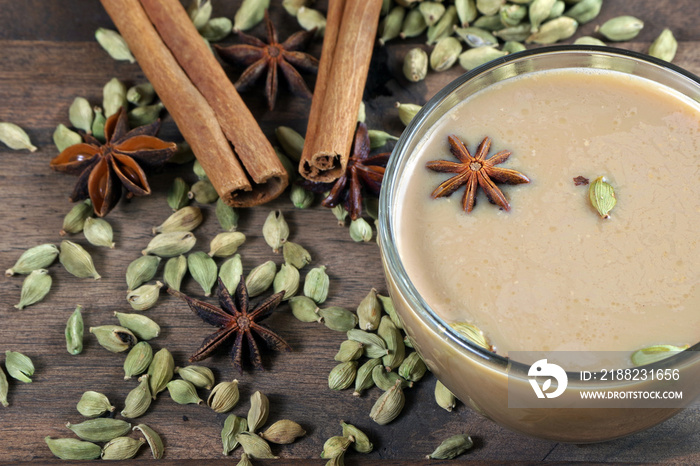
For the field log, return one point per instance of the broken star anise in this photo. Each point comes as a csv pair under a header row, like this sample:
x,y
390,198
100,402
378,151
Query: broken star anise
x,y
258,56
104,169
475,171
363,172
236,322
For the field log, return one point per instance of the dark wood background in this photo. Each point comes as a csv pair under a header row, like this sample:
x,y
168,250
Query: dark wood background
x,y
48,56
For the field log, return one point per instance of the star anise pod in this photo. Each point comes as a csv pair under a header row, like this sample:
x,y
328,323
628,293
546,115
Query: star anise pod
x,y
475,171
236,322
259,56
363,174
104,169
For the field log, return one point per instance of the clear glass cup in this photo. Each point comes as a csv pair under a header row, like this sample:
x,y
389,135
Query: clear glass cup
x,y
479,377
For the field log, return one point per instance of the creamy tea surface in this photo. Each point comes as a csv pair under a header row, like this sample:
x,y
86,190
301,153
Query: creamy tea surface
x,y
550,274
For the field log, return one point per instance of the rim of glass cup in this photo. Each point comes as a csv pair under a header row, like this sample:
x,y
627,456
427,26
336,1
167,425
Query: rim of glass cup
x,y
400,152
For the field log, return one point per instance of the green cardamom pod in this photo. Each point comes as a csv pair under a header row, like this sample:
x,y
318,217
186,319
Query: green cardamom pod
x,y
72,449
283,432
588,40
94,404
198,170
177,194
490,23
141,94
289,167
275,230
408,342
444,397
199,376
388,306
174,271
444,27
300,197
260,278
254,446
249,14
304,308
121,448
378,138
38,257
553,31
4,388
102,429
340,214
512,14
472,333
226,215
141,326
74,332
394,343
185,219
311,19
386,380
98,232
374,345
342,376
512,46
452,447
183,392
80,114
203,192
217,29
183,154
113,97
15,137
466,11
655,353
386,5
316,284
335,446
226,244
363,379
476,37
413,24
231,271
415,67
287,280
390,27
360,230
621,28
233,425
349,351
113,337
114,44
517,33
35,287
138,400
412,368
145,115
292,6
19,366
292,142
160,371
361,442
77,261
141,270
295,254
665,46
98,123
489,7
476,57
602,196
199,12
258,412
170,244
558,9
138,360
153,439
431,11
203,269
144,297
224,396
389,405
64,137
585,10
538,13
74,220
369,311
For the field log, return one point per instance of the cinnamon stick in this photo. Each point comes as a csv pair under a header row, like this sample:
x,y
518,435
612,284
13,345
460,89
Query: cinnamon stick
x,y
326,152
237,122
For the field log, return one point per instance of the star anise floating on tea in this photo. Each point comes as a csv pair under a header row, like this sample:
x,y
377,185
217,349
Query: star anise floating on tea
x,y
272,56
120,163
475,171
363,174
236,322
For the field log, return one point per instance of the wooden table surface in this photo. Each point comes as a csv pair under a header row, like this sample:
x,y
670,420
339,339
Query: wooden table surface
x,y
48,56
